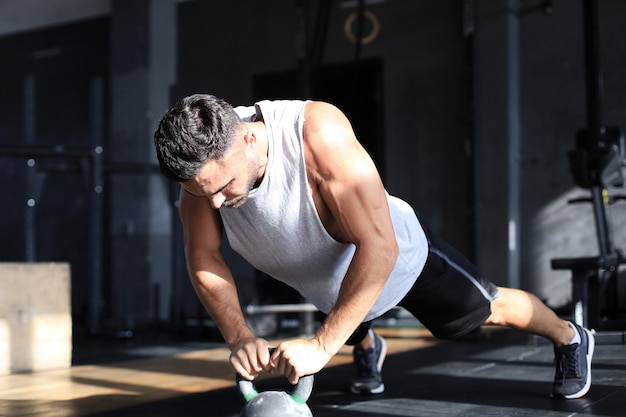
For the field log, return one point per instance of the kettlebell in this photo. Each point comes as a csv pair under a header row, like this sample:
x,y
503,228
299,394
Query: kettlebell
x,y
276,403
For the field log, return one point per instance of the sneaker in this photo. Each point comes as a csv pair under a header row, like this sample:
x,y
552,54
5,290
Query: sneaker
x,y
368,364
573,367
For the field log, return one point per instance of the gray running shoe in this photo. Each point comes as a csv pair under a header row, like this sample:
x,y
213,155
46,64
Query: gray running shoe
x,y
368,364
573,367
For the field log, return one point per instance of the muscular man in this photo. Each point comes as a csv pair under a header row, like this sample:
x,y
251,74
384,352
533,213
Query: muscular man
x,y
301,200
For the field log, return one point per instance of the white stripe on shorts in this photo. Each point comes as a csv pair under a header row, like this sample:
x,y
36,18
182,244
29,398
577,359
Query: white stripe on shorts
x,y
466,274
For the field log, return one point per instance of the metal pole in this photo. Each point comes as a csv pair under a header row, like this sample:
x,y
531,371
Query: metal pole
x,y
593,80
598,196
178,261
30,220
469,30
96,208
593,85
280,308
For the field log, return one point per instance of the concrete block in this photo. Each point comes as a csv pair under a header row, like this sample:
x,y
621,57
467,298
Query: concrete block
x,y
35,317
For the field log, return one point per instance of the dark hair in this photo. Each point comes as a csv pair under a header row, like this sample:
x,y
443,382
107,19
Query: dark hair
x,y
199,128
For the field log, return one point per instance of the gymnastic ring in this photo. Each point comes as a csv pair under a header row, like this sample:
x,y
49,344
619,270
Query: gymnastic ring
x,y
347,27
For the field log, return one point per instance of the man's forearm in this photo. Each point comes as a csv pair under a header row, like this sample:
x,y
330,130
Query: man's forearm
x,y
219,297
363,283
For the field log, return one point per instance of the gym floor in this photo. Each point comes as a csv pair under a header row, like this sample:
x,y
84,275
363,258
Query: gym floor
x,y
495,372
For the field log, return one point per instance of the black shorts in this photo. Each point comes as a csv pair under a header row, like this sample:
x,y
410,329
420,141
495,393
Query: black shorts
x,y
450,298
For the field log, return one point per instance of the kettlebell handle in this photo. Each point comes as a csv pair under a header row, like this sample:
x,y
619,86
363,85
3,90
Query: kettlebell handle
x,y
300,394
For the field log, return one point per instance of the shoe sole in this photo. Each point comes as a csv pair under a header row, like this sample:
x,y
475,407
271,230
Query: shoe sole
x,y
378,390
383,353
591,344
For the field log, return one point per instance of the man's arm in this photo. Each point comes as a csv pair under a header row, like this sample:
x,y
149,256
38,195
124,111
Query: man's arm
x,y
352,192
215,286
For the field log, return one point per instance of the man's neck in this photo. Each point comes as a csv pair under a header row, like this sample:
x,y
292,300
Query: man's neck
x,y
262,147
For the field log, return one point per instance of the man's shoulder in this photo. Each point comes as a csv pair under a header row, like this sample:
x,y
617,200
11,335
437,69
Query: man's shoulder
x,y
325,121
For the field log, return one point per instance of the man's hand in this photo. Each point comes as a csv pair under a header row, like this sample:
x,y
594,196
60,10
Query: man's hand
x,y
250,357
297,358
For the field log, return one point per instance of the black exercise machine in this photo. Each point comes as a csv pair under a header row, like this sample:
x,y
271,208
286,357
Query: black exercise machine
x,y
595,279
596,163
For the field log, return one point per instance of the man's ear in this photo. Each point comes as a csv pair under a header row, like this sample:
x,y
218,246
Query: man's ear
x,y
250,139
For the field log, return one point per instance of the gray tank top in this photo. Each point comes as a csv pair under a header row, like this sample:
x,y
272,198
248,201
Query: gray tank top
x,y
279,232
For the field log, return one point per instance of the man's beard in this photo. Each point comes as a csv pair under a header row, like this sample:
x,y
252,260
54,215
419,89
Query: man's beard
x,y
240,200
237,201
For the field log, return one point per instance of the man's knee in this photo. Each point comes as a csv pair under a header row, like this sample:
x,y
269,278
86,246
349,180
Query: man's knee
x,y
511,307
501,308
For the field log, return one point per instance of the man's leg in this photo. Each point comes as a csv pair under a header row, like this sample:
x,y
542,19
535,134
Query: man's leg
x,y
366,343
524,311
475,300
369,354
573,345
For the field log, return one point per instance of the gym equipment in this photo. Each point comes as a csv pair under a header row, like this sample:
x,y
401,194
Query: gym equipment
x,y
276,403
596,163
594,279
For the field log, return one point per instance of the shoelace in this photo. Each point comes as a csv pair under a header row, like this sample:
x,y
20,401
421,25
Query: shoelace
x,y
567,361
367,362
